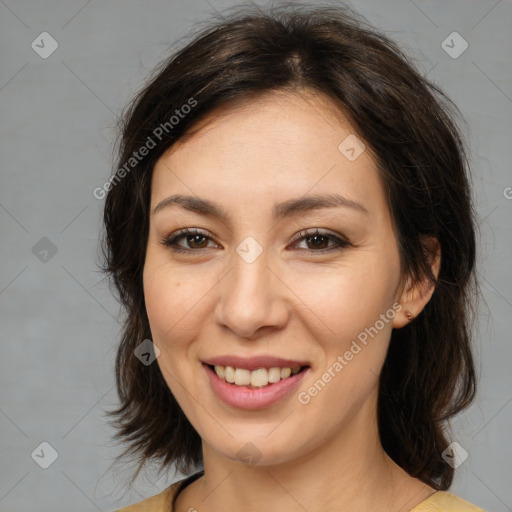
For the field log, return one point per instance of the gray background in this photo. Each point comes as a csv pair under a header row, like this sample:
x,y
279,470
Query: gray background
x,y
59,328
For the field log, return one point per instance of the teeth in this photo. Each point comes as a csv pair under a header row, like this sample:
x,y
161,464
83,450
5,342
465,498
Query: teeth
x,y
256,378
295,370
219,370
229,374
274,374
242,377
259,377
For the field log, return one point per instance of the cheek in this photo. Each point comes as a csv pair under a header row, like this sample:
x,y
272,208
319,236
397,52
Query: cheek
x,y
352,341
349,298
169,297
160,296
176,304
351,335
165,306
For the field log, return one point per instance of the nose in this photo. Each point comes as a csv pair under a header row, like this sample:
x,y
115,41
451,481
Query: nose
x,y
252,298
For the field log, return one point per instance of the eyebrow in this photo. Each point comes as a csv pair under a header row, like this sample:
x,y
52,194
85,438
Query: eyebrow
x,y
281,210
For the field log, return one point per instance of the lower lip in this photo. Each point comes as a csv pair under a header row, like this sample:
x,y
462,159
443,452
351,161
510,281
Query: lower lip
x,y
245,397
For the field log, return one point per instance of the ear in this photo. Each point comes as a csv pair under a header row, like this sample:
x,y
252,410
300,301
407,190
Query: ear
x,y
414,296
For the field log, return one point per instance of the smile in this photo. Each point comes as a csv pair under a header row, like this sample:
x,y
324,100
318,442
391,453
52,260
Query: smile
x,y
243,394
256,378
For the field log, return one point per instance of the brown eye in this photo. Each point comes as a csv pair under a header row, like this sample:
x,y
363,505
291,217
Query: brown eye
x,y
194,239
319,241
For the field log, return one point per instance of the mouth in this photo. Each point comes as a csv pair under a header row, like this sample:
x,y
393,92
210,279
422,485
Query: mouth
x,y
257,378
256,387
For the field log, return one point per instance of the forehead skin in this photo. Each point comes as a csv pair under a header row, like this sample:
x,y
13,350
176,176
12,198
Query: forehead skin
x,y
276,147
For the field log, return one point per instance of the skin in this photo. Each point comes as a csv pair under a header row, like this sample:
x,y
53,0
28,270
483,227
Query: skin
x,y
291,302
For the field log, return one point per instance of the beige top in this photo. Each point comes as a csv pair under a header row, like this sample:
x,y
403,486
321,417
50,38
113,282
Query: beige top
x,y
440,501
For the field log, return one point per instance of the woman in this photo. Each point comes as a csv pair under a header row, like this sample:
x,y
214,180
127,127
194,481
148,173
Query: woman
x,y
291,232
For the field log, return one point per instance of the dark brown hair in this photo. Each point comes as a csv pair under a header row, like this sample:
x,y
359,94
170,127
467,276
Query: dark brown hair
x,y
407,124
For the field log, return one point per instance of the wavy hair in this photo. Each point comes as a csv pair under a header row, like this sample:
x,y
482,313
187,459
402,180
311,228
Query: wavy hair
x,y
409,126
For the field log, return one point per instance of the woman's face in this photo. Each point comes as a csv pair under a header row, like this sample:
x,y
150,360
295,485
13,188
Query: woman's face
x,y
259,283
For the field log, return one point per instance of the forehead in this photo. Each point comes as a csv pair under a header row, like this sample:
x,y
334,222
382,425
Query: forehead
x,y
278,145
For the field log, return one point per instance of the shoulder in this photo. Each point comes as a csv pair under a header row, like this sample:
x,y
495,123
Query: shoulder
x,y
159,503
442,501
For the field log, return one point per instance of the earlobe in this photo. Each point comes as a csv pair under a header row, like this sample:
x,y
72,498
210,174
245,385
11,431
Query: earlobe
x,y
413,302
415,295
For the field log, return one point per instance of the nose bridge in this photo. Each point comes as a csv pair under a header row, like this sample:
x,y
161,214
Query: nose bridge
x,y
249,298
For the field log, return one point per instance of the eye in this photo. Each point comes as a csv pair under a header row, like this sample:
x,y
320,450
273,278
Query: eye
x,y
193,237
198,240
317,239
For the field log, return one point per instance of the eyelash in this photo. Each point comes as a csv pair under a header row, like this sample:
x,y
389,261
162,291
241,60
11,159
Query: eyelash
x,y
339,243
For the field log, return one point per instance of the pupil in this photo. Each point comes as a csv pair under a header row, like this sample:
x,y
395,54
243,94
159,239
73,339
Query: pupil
x,y
316,238
194,238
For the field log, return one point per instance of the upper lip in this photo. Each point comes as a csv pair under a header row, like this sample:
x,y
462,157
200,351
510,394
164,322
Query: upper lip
x,y
254,362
